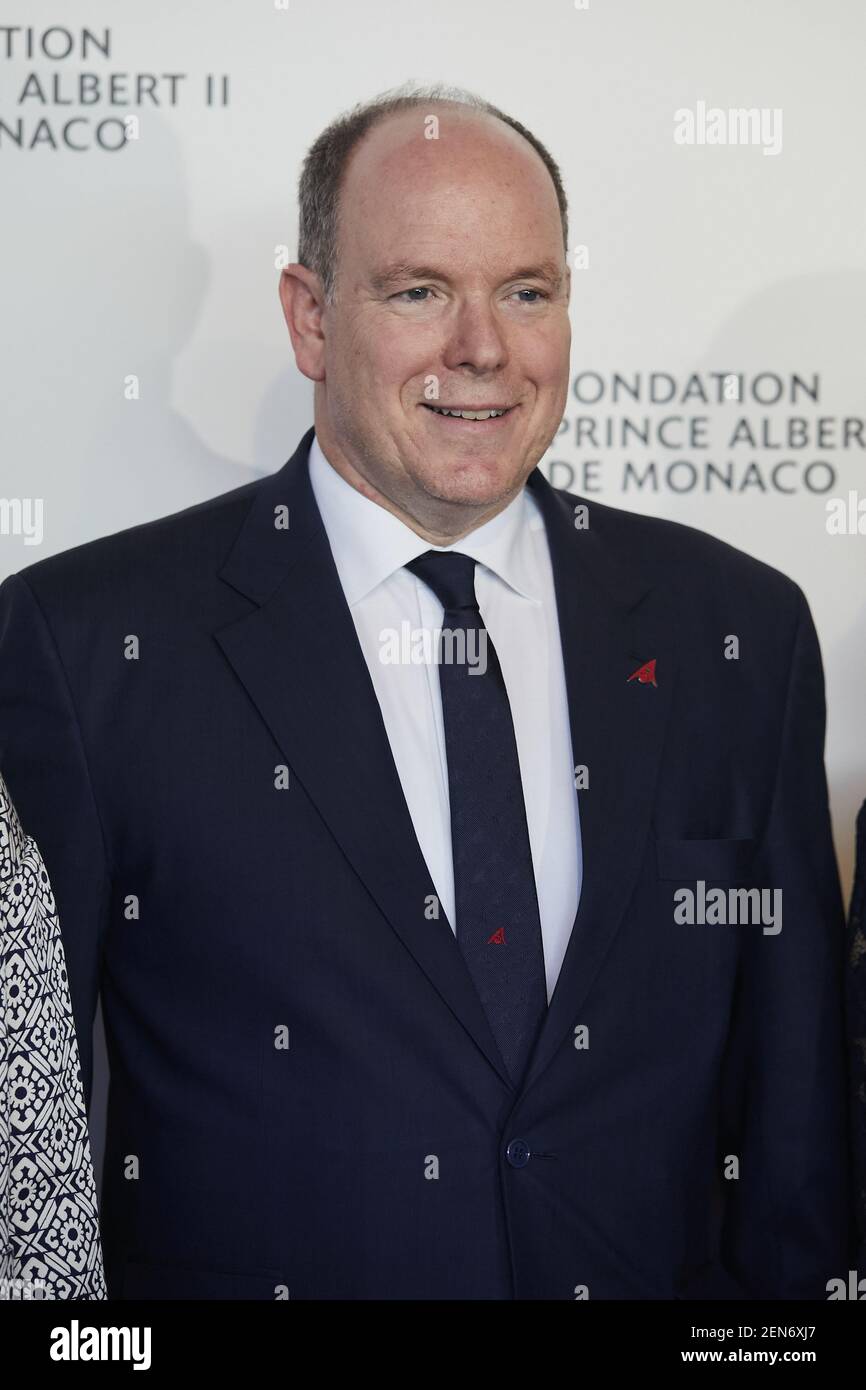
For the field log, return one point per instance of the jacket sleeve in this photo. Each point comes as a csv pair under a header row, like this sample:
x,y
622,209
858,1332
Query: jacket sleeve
x,y
44,764
50,1223
787,1216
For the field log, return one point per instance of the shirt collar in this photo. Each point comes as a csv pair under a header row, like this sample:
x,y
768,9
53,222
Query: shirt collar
x,y
369,543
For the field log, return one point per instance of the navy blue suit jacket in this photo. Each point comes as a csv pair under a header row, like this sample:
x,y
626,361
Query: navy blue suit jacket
x,y
153,684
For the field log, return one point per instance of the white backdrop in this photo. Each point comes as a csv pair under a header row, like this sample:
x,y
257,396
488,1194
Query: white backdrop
x,y
156,261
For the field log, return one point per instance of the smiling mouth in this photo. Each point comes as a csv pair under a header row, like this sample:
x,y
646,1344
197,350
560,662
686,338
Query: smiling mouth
x,y
456,413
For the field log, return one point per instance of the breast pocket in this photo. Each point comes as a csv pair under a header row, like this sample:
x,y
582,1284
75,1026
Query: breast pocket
x,y
719,860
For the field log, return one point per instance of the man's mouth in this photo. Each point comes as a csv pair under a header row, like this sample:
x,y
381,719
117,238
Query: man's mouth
x,y
478,413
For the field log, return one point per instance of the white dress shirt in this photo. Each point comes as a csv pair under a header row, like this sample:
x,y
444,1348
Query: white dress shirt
x,y
515,592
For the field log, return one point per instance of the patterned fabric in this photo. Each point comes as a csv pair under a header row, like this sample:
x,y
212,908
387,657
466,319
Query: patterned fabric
x,y
49,1230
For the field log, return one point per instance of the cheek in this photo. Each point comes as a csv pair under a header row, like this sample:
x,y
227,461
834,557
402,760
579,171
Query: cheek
x,y
542,355
404,355
389,371
553,353
551,376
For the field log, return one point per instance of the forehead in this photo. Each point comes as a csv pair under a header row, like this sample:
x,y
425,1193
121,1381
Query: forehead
x,y
479,186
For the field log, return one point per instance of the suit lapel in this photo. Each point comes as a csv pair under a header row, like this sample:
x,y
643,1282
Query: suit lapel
x,y
298,656
611,622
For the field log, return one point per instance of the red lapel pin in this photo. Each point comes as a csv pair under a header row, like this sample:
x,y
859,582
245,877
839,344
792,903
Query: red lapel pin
x,y
646,674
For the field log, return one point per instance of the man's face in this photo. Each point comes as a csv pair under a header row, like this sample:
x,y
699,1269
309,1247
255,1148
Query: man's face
x,y
452,291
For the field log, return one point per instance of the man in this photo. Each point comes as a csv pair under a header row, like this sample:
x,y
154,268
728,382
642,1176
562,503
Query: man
x,y
399,998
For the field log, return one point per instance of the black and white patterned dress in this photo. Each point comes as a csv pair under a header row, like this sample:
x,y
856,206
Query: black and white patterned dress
x,y
49,1222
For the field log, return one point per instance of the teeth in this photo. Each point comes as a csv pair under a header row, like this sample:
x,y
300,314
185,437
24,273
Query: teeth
x,y
468,414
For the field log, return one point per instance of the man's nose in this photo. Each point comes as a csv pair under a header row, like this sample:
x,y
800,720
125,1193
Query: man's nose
x,y
476,338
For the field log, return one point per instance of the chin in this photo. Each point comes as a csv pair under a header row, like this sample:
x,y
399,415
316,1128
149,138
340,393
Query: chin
x,y
481,471
474,482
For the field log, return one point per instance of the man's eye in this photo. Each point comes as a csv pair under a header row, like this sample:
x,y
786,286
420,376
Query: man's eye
x,y
415,290
419,294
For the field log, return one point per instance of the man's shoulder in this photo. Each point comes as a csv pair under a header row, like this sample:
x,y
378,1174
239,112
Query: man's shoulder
x,y
191,544
690,562
171,550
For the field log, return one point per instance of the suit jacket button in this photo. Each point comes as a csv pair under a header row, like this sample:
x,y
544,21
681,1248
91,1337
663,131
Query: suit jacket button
x,y
517,1153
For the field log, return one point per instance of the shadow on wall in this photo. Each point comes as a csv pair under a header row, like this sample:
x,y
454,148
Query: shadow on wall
x,y
108,284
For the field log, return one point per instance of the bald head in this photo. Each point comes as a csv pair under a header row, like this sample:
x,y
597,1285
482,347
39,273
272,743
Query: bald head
x,y
423,163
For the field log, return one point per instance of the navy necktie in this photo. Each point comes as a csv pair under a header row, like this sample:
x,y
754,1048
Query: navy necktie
x,y
498,925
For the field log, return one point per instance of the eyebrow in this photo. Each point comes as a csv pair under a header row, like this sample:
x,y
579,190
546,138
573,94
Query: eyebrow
x,y
395,274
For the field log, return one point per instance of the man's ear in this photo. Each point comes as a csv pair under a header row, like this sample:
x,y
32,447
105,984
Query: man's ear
x,y
303,305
